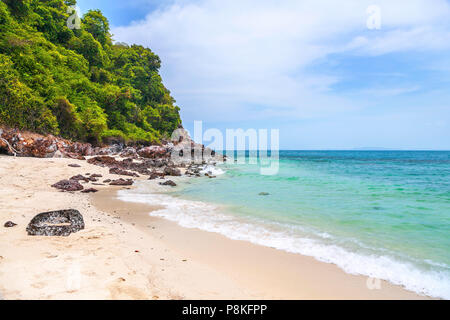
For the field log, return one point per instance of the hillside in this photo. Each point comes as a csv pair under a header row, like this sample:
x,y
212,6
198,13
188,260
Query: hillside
x,y
76,83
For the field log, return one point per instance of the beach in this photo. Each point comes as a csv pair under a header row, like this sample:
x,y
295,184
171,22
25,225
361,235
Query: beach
x,y
124,253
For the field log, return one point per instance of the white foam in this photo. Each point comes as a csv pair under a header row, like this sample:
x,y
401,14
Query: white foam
x,y
196,214
212,170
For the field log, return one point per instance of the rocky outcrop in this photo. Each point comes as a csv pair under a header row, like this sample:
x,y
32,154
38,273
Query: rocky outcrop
x,y
68,185
56,223
153,152
90,190
129,152
104,161
27,144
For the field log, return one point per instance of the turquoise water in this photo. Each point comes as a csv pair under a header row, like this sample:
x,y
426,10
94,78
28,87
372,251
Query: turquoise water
x,y
383,214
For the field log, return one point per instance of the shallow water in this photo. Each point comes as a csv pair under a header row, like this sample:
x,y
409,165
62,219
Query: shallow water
x,y
384,214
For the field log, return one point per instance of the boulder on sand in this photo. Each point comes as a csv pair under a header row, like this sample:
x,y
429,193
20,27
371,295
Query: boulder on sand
x,y
168,183
121,182
68,185
171,171
56,223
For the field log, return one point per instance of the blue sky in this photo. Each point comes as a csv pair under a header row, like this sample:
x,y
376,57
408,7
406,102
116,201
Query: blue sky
x,y
311,69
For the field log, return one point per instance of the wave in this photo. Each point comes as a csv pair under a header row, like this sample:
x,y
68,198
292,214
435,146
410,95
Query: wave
x,y
208,217
212,170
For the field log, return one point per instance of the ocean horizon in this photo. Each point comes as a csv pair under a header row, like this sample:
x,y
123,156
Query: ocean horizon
x,y
382,214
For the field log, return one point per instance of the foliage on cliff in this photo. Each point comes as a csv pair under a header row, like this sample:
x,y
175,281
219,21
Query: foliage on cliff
x,y
75,82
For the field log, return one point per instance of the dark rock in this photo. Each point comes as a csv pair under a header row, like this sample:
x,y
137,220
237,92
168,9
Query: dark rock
x,y
90,190
170,171
107,181
74,165
264,194
153,152
68,185
103,161
159,163
121,182
122,172
153,176
56,223
79,177
95,175
10,224
168,183
129,152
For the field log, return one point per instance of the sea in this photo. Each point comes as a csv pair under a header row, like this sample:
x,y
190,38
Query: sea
x,y
382,214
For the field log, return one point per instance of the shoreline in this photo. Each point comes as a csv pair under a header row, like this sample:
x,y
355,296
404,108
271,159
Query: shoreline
x,y
124,253
274,274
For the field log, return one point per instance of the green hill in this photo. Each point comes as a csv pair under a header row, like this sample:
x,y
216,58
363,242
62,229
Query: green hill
x,y
77,83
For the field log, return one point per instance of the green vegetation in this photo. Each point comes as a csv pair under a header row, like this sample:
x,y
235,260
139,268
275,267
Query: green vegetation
x,y
77,83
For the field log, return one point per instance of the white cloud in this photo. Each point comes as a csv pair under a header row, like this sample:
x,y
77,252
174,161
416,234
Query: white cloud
x,y
223,58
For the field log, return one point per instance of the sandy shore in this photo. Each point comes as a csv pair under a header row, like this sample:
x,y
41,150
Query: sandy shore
x,y
124,253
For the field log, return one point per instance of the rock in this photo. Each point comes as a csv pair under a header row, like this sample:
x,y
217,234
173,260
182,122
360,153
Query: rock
x,y
170,171
129,152
264,194
58,155
122,172
90,190
153,176
111,150
56,223
10,224
168,183
74,165
103,161
153,152
107,181
96,175
68,185
28,144
83,149
79,177
122,182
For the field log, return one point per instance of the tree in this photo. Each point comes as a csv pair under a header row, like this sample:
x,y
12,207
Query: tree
x,y
96,24
76,83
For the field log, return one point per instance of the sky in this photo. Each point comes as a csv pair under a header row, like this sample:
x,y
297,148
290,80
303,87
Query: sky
x,y
328,74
